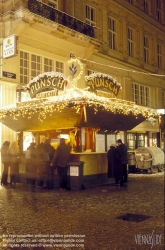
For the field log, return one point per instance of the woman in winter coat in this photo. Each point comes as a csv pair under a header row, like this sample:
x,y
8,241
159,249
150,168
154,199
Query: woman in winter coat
x,y
5,161
115,168
13,153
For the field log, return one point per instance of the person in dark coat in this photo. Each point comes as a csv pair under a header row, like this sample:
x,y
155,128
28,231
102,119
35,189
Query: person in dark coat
x,y
115,168
48,152
5,161
124,158
60,159
31,164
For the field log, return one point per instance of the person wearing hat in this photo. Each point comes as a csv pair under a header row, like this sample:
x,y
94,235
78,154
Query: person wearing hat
x,y
5,161
123,151
115,168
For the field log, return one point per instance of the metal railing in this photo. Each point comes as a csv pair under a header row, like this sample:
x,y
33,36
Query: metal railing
x,y
62,18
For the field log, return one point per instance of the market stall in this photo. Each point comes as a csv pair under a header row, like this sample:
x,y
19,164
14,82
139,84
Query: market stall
x,y
91,117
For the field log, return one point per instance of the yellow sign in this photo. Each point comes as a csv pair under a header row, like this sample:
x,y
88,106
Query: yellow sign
x,y
10,46
47,84
102,83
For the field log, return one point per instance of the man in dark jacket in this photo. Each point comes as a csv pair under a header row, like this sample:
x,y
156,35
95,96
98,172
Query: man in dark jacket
x,y
123,151
115,168
60,159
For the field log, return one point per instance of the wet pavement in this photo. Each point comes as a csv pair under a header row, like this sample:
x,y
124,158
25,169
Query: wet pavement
x,y
98,218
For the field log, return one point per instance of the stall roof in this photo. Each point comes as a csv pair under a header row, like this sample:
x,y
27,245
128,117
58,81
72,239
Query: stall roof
x,y
74,108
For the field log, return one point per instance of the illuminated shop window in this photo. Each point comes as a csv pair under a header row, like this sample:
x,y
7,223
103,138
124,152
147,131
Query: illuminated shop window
x,y
159,51
90,15
146,49
112,33
135,140
130,42
140,94
31,65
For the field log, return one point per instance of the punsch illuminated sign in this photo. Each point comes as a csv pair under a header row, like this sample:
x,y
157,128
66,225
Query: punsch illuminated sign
x,y
103,84
46,85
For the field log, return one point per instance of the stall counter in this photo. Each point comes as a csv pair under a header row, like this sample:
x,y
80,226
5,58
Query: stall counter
x,y
94,162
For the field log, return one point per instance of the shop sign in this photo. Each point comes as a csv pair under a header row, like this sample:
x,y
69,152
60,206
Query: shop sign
x,y
9,75
10,46
46,84
103,85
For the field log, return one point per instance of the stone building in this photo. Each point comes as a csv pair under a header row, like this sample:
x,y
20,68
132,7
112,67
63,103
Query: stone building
x,y
122,38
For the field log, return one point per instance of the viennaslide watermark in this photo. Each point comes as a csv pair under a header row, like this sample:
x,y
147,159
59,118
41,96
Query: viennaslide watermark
x,y
149,239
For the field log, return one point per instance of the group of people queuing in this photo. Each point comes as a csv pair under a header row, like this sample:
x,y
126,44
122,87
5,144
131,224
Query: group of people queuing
x,y
117,163
41,160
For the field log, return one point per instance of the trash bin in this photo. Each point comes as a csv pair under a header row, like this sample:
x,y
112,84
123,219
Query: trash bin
x,y
76,175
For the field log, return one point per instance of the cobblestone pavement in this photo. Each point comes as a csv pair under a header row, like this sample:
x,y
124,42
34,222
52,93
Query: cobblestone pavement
x,y
99,216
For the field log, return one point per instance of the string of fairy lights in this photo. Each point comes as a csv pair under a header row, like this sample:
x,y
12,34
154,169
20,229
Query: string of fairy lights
x,y
76,99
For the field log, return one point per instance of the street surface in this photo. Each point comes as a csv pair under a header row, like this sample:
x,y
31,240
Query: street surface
x,y
98,218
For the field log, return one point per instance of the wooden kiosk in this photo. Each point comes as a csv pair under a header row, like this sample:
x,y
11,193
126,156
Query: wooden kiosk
x,y
89,118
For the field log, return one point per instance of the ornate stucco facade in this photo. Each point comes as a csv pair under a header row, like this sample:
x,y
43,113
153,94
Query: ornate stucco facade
x,y
125,39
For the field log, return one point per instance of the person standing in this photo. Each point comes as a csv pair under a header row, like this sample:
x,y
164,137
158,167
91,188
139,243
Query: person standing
x,y
5,161
60,159
13,153
115,168
48,153
124,159
31,164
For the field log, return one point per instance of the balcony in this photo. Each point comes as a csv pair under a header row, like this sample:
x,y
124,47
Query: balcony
x,y
62,18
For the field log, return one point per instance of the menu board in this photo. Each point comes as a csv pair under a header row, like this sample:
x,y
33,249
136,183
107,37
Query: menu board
x,y
111,139
100,143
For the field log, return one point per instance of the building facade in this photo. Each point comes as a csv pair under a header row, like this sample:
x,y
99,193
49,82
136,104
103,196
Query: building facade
x,y
122,38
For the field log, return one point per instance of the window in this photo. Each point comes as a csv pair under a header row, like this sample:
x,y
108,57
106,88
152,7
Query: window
x,y
159,51
140,94
36,64
163,99
89,72
90,15
112,33
60,67
32,65
159,10
24,67
48,65
146,49
135,140
130,42
53,4
146,6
